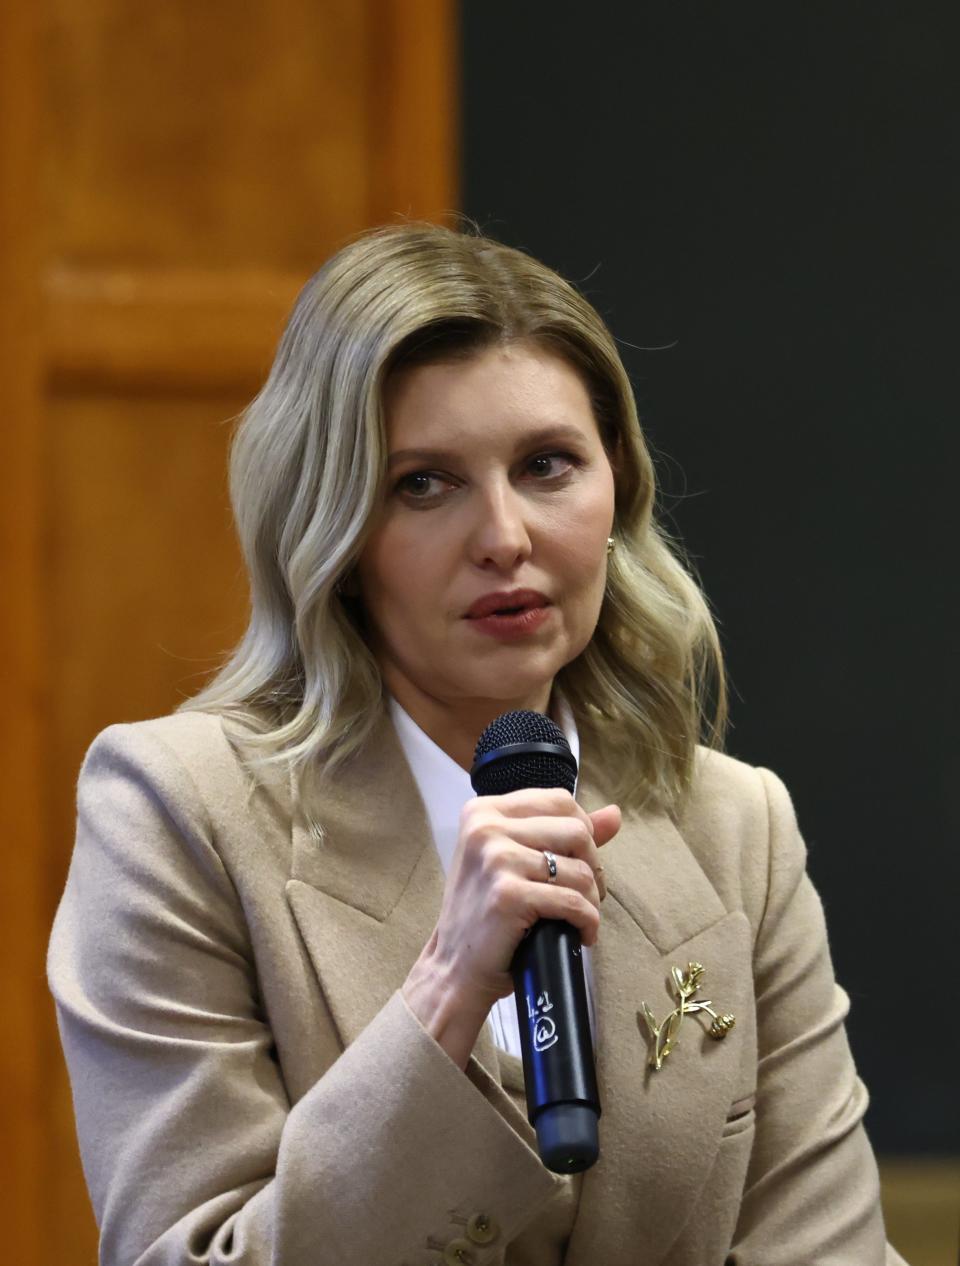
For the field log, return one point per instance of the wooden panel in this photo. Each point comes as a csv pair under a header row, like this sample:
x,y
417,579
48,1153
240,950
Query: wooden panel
x,y
146,583
206,135
921,1205
22,932
170,330
415,122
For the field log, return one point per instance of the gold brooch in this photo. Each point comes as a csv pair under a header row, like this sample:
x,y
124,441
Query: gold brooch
x,y
665,1036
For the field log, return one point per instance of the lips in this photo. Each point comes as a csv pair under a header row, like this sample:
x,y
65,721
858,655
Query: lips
x,y
511,603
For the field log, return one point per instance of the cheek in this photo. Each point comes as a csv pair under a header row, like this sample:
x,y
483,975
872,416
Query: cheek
x,y
395,573
585,532
374,572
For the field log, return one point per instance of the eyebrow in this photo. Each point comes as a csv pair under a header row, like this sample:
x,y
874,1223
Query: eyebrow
x,y
559,433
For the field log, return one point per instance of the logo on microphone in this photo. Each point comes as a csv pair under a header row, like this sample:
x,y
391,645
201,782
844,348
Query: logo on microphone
x,y
542,1026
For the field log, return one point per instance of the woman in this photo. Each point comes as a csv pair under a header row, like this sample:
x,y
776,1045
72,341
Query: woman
x,y
281,962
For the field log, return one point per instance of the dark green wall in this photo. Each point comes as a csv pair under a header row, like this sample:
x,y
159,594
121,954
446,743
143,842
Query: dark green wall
x,y
769,194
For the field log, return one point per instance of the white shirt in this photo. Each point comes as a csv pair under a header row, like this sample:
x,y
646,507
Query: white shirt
x,y
445,788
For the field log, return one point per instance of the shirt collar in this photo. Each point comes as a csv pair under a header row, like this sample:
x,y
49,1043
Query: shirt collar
x,y
445,787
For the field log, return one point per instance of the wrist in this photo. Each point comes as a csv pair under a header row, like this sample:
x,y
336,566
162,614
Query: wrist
x,y
452,1017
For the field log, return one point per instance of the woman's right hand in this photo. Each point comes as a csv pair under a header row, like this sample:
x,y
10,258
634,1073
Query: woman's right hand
x,y
495,892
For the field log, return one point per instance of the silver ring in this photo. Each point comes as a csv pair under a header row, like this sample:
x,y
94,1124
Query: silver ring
x,y
551,861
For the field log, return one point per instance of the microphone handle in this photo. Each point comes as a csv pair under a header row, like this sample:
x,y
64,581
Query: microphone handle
x,y
563,1102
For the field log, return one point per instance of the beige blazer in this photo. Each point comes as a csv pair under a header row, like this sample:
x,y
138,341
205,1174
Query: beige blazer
x,y
251,1088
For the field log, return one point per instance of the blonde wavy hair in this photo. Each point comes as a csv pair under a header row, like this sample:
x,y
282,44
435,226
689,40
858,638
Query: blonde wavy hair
x,y
307,474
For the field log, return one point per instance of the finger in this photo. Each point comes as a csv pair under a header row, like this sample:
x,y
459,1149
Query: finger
x,y
538,802
572,872
606,823
570,836
550,901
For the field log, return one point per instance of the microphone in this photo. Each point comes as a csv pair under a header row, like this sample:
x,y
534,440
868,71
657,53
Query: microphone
x,y
518,750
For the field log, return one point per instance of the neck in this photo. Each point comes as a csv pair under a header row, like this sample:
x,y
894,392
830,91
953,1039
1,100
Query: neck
x,y
455,727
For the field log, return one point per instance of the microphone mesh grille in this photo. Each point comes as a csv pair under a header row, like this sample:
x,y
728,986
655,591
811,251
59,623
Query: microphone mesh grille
x,y
517,771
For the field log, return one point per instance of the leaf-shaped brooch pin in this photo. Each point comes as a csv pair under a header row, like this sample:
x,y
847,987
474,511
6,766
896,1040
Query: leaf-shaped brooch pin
x,y
665,1035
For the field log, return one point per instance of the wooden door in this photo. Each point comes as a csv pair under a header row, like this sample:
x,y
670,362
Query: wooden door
x,y
170,174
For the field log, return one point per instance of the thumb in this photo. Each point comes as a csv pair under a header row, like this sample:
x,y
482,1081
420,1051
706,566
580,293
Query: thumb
x,y
606,823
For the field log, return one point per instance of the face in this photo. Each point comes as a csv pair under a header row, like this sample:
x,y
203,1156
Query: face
x,y
486,566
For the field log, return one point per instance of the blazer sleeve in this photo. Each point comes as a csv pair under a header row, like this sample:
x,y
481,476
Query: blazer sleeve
x,y
190,1146
812,1191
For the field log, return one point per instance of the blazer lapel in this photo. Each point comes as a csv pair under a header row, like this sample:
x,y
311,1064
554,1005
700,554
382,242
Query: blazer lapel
x,y
660,1130
366,894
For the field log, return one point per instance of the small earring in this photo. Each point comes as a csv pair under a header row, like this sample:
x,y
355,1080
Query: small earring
x,y
611,544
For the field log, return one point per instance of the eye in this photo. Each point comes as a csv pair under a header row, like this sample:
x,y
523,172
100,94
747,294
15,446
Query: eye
x,y
422,485
551,465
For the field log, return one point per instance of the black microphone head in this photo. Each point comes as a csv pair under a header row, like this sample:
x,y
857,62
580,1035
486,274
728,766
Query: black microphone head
x,y
519,750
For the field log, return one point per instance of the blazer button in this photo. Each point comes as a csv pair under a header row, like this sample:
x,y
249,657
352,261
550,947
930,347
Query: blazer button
x,y
482,1229
459,1253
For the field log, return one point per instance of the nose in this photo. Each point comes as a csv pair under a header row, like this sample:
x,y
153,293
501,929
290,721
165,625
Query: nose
x,y
500,538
